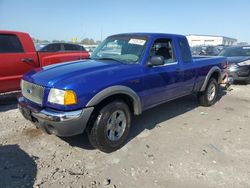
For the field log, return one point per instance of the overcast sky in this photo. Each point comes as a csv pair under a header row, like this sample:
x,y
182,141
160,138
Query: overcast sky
x,y
64,19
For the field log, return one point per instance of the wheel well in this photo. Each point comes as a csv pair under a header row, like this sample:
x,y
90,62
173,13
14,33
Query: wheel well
x,y
216,75
125,98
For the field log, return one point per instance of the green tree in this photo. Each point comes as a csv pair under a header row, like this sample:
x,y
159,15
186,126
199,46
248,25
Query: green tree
x,y
98,42
89,41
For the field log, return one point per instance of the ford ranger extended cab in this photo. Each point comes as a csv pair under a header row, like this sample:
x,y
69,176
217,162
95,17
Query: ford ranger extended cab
x,y
125,75
18,56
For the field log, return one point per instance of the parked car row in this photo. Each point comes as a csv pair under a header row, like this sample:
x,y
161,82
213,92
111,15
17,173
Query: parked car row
x,y
124,76
238,59
239,62
205,50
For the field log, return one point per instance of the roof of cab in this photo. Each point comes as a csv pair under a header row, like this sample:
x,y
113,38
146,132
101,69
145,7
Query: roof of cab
x,y
150,35
11,32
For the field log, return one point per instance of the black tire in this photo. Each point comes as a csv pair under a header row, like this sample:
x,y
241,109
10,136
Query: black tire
x,y
97,132
204,96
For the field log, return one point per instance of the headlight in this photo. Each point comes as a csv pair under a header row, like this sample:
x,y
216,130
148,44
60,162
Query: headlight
x,y
232,67
63,97
243,63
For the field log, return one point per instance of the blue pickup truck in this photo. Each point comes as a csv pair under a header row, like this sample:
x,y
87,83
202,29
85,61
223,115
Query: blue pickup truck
x,y
125,75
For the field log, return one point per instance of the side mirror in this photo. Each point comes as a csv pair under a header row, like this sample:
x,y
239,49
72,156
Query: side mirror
x,y
156,61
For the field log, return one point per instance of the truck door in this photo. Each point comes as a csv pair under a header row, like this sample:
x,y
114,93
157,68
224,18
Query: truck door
x,y
14,62
188,67
162,82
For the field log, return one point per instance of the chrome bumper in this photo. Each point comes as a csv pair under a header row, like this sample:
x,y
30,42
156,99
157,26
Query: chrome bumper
x,y
56,122
57,116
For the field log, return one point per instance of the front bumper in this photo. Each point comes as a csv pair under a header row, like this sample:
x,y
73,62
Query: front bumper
x,y
56,122
225,79
241,73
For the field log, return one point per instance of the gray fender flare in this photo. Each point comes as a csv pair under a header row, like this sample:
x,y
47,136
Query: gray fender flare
x,y
209,74
119,89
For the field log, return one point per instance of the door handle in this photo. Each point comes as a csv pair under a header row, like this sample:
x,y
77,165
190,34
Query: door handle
x,y
27,60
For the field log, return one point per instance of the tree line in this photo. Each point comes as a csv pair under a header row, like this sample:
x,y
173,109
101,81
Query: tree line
x,y
87,41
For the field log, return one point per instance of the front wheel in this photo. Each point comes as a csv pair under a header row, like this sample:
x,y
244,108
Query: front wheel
x,y
209,96
110,128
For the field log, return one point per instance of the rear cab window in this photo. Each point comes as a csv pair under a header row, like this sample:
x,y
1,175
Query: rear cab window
x,y
10,43
164,47
51,48
72,47
184,50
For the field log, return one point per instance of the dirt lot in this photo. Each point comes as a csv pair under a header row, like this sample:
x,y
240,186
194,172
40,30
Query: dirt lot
x,y
178,144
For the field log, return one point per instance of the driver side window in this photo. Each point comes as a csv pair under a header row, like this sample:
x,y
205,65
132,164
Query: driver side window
x,y
163,47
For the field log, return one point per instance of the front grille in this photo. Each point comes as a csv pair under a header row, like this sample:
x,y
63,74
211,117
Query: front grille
x,y
32,92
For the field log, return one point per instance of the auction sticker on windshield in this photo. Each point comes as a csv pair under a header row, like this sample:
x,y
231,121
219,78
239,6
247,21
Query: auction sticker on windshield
x,y
140,42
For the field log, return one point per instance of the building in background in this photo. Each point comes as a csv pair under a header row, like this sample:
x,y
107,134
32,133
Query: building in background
x,y
209,40
242,43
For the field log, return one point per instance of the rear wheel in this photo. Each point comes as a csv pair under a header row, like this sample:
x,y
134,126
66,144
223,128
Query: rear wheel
x,y
110,128
248,80
209,96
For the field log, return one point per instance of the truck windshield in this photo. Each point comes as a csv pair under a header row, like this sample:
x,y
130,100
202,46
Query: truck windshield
x,y
125,49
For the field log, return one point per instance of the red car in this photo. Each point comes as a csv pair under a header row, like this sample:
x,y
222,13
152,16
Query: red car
x,y
18,56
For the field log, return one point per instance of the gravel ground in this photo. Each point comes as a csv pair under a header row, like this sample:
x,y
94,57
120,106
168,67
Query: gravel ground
x,y
178,144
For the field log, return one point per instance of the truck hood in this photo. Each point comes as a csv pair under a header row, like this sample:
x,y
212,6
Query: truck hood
x,y
68,74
